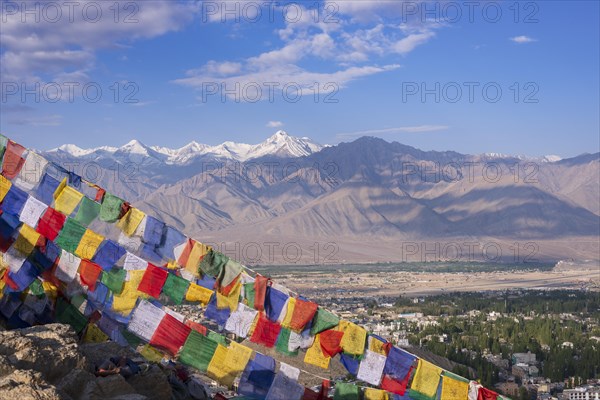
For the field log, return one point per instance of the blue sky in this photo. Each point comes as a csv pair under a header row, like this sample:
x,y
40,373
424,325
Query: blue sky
x,y
425,74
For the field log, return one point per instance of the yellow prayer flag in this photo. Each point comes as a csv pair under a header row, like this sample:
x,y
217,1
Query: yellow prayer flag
x,y
50,289
427,378
376,345
289,313
454,389
353,341
93,334
172,264
125,302
217,369
130,221
151,354
375,394
235,361
198,293
26,240
232,300
314,354
67,200
88,245
198,251
2,284
5,186
60,188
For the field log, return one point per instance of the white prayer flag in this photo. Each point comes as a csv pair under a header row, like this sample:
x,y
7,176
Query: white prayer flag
x,y
289,371
32,211
31,172
240,321
371,367
67,267
145,320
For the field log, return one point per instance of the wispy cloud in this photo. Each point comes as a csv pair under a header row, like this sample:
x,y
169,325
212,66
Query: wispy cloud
x,y
396,130
274,124
522,39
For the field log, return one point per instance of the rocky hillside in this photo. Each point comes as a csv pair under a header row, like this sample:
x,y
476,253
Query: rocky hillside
x,y
47,362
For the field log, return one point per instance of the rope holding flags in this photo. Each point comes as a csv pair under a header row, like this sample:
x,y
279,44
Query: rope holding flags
x,y
113,289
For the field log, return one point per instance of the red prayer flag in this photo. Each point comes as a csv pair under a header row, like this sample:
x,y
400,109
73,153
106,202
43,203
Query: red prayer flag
x,y
226,290
170,335
99,194
89,273
201,329
486,394
310,395
153,280
392,385
304,311
51,223
330,342
260,291
265,332
13,162
325,386
185,254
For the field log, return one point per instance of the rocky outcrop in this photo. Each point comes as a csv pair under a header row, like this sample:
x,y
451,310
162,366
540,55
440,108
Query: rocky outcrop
x,y
47,363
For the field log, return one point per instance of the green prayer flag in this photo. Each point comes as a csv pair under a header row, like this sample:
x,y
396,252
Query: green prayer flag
x,y
70,235
346,391
3,142
87,212
217,337
114,279
197,351
249,293
37,289
212,263
323,320
282,345
175,287
132,339
413,394
66,313
110,209
456,377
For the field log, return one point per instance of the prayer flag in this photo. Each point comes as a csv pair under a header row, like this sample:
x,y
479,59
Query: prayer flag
x,y
51,223
265,332
90,241
170,334
67,200
110,208
371,367
197,351
427,378
87,212
145,320
315,356
175,287
353,341
153,280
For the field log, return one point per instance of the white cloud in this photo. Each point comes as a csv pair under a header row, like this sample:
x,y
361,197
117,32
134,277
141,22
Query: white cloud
x,y
388,131
522,39
274,124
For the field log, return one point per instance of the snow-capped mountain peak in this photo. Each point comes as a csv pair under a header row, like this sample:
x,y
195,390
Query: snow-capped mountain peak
x,y
280,145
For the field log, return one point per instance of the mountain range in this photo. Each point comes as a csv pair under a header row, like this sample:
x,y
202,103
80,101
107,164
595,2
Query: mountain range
x,y
291,200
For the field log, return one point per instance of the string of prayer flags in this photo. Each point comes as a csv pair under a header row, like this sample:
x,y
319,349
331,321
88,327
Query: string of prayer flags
x,y
12,161
87,212
170,334
110,208
193,252
315,356
265,332
197,293
324,320
426,379
353,341
454,387
198,351
371,367
175,287
130,221
241,320
283,387
145,320
346,391
229,273
153,280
